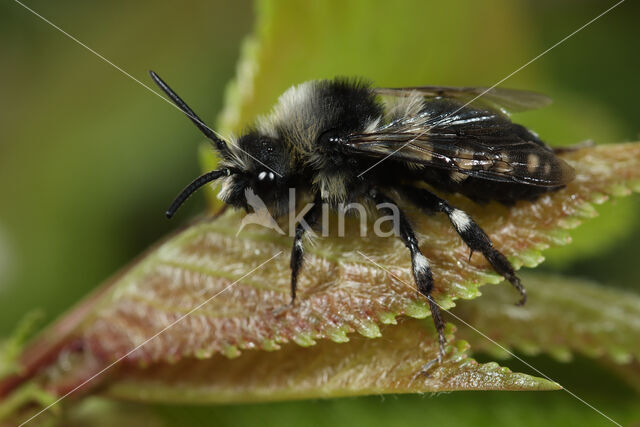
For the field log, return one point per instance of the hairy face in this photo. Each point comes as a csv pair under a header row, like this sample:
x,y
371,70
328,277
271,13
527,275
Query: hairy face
x,y
263,175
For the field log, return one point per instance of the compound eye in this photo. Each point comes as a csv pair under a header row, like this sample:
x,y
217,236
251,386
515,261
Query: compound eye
x,y
329,137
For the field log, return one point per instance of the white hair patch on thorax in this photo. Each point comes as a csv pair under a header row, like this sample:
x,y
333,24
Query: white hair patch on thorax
x,y
295,117
461,221
266,126
292,104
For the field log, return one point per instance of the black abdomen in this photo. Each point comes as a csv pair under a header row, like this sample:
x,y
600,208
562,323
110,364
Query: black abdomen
x,y
483,190
493,137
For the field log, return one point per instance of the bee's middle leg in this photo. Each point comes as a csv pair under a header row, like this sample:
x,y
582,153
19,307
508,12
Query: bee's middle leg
x,y
419,264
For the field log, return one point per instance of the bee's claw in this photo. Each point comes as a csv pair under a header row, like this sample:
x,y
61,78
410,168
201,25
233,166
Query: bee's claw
x,y
282,309
424,370
523,297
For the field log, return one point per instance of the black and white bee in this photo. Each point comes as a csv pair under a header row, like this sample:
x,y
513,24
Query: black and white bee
x,y
343,141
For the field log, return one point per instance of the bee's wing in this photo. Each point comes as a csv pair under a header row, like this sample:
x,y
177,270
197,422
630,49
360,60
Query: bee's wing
x,y
498,151
503,100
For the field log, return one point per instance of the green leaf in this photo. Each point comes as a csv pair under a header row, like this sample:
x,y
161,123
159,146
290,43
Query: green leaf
x,y
12,347
340,290
562,317
26,402
362,366
239,279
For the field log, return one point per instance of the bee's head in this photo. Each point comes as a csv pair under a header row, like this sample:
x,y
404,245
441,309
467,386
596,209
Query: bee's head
x,y
256,165
261,166
255,174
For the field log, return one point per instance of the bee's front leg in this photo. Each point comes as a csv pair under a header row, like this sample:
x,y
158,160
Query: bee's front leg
x,y
309,220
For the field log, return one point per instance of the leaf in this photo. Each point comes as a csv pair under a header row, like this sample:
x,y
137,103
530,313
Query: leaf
x,y
450,409
19,406
12,347
340,291
562,317
360,367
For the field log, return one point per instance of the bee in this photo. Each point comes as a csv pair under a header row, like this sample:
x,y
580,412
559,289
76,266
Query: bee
x,y
344,141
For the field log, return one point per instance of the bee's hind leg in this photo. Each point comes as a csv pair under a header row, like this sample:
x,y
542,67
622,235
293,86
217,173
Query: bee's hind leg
x,y
470,232
419,265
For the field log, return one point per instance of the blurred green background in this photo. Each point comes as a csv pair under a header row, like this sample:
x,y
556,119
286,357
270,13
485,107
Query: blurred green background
x,y
89,159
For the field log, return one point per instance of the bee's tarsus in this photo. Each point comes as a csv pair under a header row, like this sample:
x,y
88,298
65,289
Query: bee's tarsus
x,y
523,294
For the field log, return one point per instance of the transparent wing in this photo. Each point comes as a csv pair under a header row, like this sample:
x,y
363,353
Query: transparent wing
x,y
504,100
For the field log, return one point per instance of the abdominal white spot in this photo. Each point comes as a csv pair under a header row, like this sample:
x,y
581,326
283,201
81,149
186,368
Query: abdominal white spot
x,y
460,220
533,161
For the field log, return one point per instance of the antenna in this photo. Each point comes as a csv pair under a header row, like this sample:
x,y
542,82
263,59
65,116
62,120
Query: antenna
x,y
191,188
206,130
